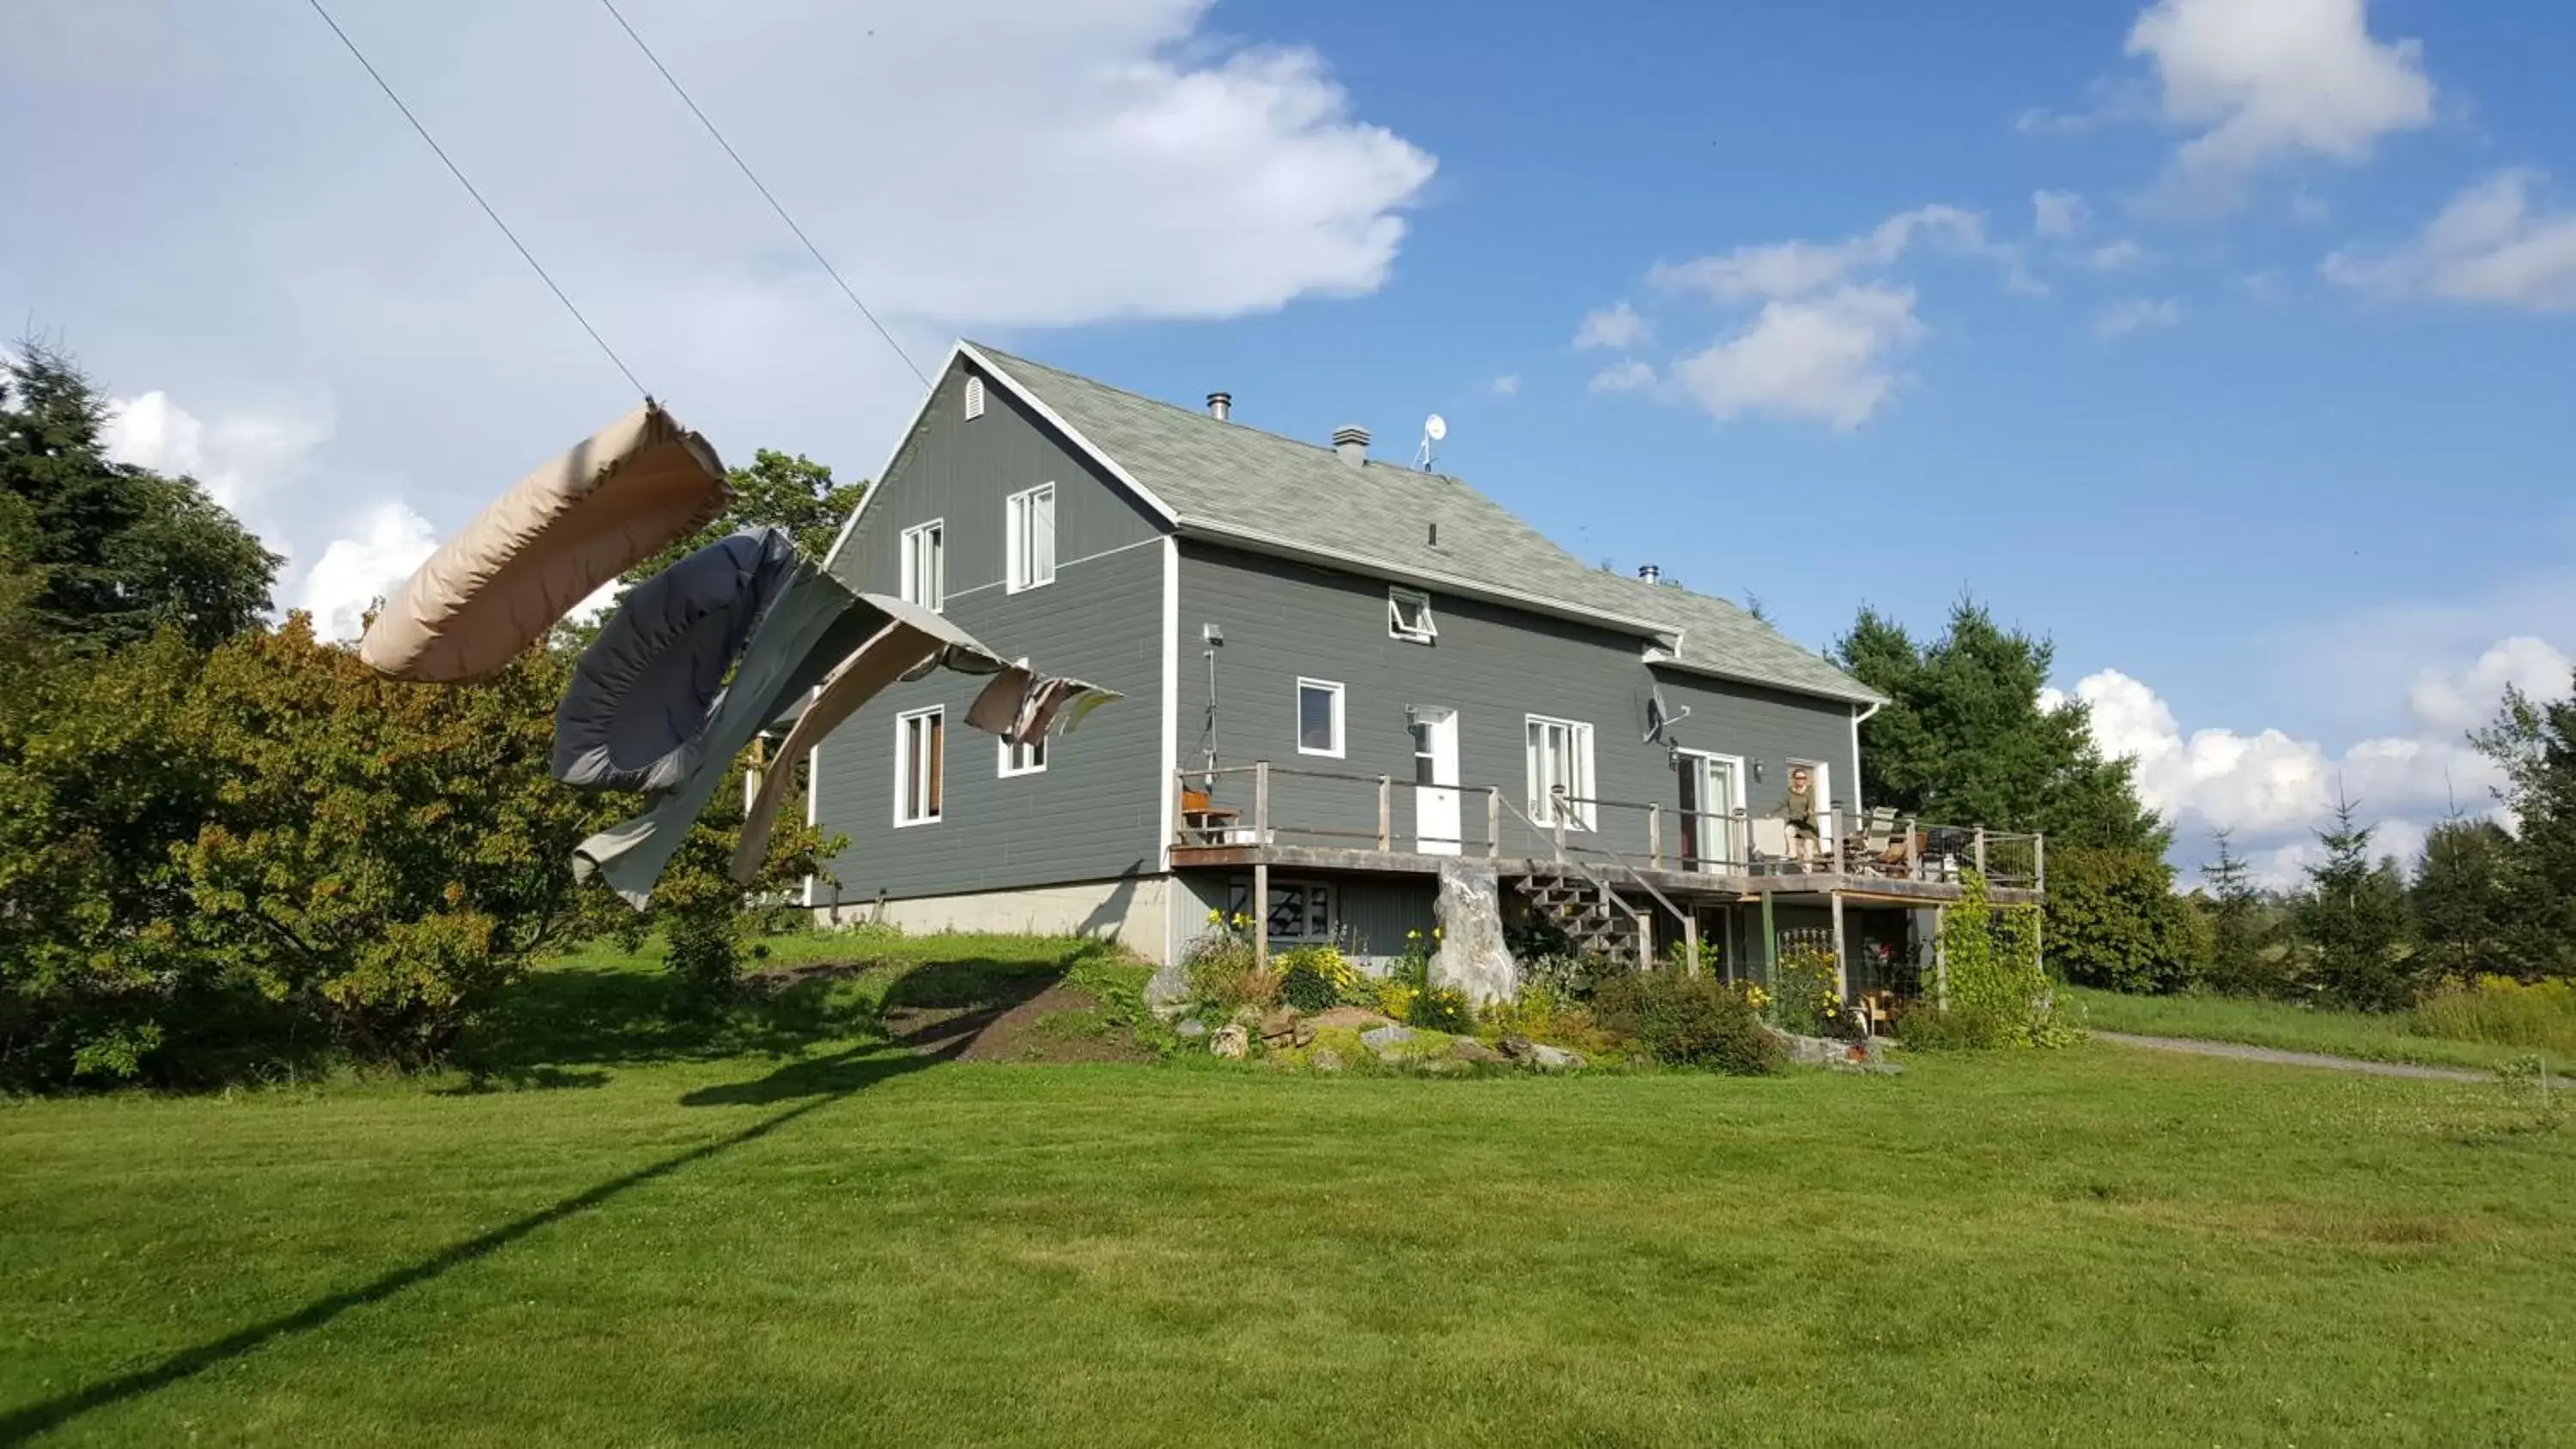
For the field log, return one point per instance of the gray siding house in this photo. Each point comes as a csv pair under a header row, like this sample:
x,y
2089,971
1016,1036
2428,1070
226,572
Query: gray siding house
x,y
1340,673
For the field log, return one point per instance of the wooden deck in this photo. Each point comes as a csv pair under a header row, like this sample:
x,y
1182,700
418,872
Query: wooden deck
x,y
1698,886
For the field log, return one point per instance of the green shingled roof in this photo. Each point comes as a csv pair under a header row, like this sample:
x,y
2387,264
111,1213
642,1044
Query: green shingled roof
x,y
1226,479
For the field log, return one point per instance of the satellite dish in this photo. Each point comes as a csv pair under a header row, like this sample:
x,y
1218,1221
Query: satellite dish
x,y
1435,427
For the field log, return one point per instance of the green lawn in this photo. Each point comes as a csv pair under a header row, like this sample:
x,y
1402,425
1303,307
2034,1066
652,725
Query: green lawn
x,y
2362,1034
779,1231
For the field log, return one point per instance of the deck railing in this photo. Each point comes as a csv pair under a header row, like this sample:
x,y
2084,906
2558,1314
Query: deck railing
x,y
1238,805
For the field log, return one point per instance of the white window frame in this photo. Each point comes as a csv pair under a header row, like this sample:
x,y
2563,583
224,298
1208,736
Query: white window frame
x,y
1315,899
1340,733
935,597
908,779
1424,631
1730,849
1028,759
1022,568
1583,814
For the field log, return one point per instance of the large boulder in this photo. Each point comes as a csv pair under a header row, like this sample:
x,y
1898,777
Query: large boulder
x,y
1472,959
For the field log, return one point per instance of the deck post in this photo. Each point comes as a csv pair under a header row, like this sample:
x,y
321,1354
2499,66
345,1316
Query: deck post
x,y
1690,941
1655,835
1493,821
1977,851
1180,807
1770,947
2039,861
1386,814
1913,848
1842,973
1941,958
1261,865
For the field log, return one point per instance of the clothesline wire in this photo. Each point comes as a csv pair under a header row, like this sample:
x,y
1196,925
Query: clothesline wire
x,y
765,195
454,170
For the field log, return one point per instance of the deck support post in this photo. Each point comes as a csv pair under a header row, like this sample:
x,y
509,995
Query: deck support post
x,y
1913,848
2039,862
1493,822
1261,866
1690,940
1770,948
1978,850
1842,972
1941,958
1386,814
1655,835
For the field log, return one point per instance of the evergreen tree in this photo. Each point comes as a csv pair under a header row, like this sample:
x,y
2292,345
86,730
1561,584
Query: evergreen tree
x,y
2239,960
2535,742
122,550
2352,919
2461,909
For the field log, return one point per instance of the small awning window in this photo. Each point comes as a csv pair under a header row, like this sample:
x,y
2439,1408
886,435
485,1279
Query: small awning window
x,y
1408,616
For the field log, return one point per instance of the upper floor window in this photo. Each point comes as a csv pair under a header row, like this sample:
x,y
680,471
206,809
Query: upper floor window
x,y
925,565
1029,537
1319,717
1408,616
974,398
1028,759
1560,772
921,762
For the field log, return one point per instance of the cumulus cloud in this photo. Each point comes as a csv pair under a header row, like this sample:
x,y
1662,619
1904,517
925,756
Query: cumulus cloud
x,y
1617,327
2274,790
353,573
2057,213
1783,270
1507,385
2136,314
238,459
2258,83
1628,376
992,165
1823,358
2490,244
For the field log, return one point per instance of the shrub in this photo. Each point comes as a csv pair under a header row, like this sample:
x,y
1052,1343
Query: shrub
x,y
1312,978
1569,975
1687,1020
2503,1010
1998,994
1223,974
2117,923
1395,997
1804,998
1441,1008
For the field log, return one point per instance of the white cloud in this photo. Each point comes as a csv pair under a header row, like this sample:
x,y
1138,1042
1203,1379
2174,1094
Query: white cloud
x,y
238,459
1629,376
1507,385
2118,256
2057,213
353,573
1782,270
2136,314
2490,244
2259,82
992,166
2274,790
1822,358
1616,327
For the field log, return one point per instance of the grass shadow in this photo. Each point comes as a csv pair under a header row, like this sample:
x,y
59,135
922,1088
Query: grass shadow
x,y
820,1084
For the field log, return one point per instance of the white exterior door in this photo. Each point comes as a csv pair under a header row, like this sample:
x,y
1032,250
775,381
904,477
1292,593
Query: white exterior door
x,y
1435,782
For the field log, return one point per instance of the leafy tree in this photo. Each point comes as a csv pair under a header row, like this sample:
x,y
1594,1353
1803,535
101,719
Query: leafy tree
x,y
122,550
2352,919
2535,742
2240,960
778,490
1963,739
2114,921
2462,910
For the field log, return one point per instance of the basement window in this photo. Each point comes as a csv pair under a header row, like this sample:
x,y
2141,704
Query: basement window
x,y
1299,910
1408,616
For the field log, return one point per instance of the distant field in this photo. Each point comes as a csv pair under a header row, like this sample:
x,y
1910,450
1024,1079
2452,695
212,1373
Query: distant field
x,y
2295,1028
778,1229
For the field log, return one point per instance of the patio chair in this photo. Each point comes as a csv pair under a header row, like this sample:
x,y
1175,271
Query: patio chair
x,y
1203,820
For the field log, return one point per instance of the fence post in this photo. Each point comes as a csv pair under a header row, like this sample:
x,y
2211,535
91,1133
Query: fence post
x,y
1977,851
1655,836
1261,865
1493,821
1386,813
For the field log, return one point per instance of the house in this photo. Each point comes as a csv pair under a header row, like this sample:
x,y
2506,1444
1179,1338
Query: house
x,y
1340,673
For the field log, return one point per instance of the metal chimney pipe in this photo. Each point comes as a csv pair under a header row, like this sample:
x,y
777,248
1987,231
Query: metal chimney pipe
x,y
1351,441
1651,573
1220,405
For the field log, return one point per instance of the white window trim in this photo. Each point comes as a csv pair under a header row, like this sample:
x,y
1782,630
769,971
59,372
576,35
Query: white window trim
x,y
974,397
1736,849
1341,735
1016,510
1583,817
1007,772
1395,627
903,765
910,584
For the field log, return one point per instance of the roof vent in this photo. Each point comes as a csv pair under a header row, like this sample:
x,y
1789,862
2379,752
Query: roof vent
x,y
1351,442
1651,573
1220,405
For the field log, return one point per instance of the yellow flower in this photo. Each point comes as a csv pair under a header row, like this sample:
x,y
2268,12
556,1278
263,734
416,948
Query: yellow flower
x,y
1413,935
1216,918
1435,933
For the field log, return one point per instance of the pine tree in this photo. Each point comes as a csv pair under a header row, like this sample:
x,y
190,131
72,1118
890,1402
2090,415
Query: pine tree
x,y
2352,918
2238,956
2461,909
2535,742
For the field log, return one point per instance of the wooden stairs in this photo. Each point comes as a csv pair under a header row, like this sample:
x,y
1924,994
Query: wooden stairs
x,y
1594,919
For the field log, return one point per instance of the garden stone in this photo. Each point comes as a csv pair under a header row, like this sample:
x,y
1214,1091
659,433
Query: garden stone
x,y
1386,1040
1327,1060
1468,1049
1472,959
1190,1029
1554,1058
1279,1025
1516,1048
1231,1041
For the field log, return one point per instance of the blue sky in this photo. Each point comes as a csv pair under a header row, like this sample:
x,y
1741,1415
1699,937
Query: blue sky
x,y
2277,458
